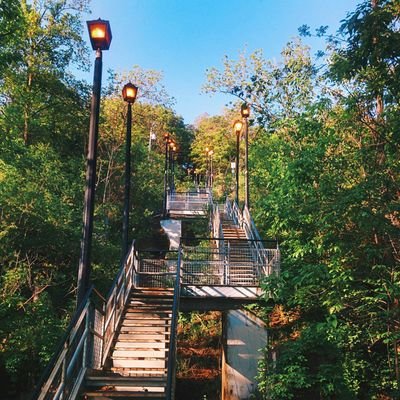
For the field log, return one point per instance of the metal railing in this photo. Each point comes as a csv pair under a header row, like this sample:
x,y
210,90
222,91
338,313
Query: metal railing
x,y
217,261
216,225
258,246
116,299
233,212
171,378
196,202
80,349
227,262
156,269
88,338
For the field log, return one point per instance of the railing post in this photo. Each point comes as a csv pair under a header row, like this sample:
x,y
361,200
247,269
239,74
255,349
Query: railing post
x,y
86,345
64,369
227,264
103,331
170,388
114,323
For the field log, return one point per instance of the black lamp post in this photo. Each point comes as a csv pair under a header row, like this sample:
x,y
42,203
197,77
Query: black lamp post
x,y
207,168
100,38
237,126
129,93
245,111
172,165
210,153
166,139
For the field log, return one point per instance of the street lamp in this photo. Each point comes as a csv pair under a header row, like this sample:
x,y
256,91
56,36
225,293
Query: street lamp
x,y
207,167
210,153
172,166
237,126
100,38
245,112
166,140
129,93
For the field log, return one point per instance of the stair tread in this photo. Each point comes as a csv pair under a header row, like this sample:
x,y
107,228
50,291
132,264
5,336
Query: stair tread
x,y
142,371
126,394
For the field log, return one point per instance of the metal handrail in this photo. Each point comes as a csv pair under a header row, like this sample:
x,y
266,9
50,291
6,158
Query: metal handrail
x,y
216,223
116,299
171,377
74,355
245,221
193,201
83,345
220,259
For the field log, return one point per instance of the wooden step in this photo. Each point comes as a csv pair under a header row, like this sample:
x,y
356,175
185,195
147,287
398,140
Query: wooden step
x,y
133,337
136,353
149,306
148,322
144,335
111,394
153,292
151,301
133,327
126,342
139,364
118,380
134,313
140,372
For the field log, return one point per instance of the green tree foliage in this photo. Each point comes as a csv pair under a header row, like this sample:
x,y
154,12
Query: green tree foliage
x,y
10,26
216,134
40,184
327,174
44,117
152,115
274,90
37,91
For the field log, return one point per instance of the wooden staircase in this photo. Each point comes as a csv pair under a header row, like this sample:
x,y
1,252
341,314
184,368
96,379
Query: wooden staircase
x,y
137,364
242,268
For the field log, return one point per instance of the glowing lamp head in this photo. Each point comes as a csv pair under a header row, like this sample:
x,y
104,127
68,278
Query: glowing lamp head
x,y
245,110
237,126
100,34
129,92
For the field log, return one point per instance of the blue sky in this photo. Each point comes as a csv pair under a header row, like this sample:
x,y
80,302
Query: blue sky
x,y
182,38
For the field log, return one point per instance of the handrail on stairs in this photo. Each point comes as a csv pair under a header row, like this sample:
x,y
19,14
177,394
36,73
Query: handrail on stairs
x,y
75,354
216,222
88,338
171,368
270,259
116,299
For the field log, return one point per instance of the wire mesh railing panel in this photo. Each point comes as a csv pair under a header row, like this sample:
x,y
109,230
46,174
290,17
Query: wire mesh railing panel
x,y
229,262
203,272
156,269
97,339
188,201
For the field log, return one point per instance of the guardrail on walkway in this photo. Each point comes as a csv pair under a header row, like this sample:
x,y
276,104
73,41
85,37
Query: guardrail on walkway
x,y
245,221
189,203
90,334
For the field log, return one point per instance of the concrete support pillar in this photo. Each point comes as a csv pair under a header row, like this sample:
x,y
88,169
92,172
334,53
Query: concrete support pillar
x,y
243,336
